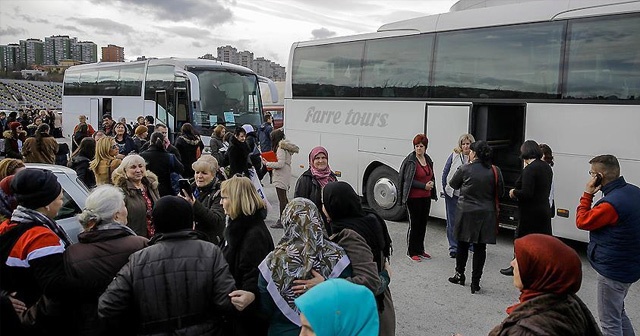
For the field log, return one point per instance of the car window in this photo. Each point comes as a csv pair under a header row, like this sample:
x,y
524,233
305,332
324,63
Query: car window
x,y
69,207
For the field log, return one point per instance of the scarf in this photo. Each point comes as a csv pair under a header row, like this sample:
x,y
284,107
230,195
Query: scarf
x,y
24,215
325,175
546,265
302,248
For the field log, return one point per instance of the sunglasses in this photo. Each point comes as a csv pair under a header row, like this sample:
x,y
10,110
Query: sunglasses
x,y
114,147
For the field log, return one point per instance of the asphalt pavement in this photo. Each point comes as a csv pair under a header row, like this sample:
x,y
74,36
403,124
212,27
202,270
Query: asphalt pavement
x,y
427,304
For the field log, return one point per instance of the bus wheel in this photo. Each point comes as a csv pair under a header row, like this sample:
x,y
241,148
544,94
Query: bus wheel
x,y
382,193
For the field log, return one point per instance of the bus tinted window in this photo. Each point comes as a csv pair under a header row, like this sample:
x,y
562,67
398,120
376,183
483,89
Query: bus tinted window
x,y
397,67
604,59
159,77
108,82
88,83
328,70
131,80
505,62
71,82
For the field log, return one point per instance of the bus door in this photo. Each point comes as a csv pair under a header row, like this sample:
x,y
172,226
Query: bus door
x,y
182,114
444,123
94,107
502,126
104,108
160,97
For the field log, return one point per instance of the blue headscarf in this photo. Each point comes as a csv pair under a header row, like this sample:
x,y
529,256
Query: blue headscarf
x,y
337,307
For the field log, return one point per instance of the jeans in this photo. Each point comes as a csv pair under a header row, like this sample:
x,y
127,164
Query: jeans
x,y
418,209
451,204
613,317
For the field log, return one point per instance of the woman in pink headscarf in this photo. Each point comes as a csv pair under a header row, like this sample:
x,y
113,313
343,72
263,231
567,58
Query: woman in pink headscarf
x,y
311,182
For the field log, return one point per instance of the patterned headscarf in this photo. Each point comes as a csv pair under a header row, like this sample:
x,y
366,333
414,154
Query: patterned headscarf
x,y
301,249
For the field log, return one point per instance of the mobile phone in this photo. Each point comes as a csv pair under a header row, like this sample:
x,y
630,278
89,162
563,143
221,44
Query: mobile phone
x,y
598,181
185,185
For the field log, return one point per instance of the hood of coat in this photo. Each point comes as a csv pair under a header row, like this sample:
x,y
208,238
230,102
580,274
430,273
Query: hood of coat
x,y
8,134
288,146
192,142
150,179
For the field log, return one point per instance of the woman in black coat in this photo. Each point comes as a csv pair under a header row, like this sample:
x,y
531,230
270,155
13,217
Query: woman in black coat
x,y
190,147
161,163
80,161
481,185
247,243
417,187
311,182
238,153
532,193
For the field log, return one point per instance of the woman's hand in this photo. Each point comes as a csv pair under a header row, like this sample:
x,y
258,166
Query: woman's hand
x,y
241,299
302,286
387,268
429,185
18,305
512,193
189,198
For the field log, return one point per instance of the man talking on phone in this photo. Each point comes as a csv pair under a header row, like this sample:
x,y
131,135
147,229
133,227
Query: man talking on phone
x,y
614,240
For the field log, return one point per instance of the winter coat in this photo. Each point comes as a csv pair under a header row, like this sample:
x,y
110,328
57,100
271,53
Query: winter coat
x,y
308,187
161,164
477,219
208,212
135,203
264,135
179,285
80,164
216,144
247,243
11,147
104,171
365,272
405,178
238,157
188,149
98,255
46,153
282,167
126,145
532,191
549,314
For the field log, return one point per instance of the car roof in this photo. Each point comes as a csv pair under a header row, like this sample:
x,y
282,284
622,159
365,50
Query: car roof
x,y
56,169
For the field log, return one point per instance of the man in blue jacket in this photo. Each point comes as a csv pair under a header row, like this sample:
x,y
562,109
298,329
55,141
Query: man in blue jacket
x,y
614,240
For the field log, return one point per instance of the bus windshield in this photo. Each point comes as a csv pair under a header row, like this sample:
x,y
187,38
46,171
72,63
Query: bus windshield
x,y
227,98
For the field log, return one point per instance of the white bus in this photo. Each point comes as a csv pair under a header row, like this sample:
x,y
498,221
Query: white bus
x,y
565,73
172,90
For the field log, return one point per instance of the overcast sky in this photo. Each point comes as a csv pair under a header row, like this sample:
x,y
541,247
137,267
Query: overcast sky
x,y
192,28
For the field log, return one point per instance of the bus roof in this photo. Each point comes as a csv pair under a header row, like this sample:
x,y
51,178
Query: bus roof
x,y
517,11
182,63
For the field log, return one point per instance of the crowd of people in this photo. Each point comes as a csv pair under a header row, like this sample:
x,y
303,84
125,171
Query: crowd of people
x,y
159,256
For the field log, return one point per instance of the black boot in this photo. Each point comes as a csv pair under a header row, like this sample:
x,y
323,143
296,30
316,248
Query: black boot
x,y
507,271
457,279
475,286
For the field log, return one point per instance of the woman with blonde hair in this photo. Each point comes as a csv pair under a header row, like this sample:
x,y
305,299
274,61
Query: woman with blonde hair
x,y
105,162
205,198
247,243
140,188
459,157
102,249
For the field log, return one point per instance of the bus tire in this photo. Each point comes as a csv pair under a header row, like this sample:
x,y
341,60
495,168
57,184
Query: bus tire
x,y
382,194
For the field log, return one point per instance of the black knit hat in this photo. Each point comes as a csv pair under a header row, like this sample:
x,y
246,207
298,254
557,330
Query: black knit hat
x,y
35,188
172,213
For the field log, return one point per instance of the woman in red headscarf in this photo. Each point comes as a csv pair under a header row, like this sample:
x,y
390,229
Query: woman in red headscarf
x,y
548,274
311,182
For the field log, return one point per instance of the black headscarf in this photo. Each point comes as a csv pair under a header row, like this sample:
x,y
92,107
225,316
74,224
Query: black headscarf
x,y
343,207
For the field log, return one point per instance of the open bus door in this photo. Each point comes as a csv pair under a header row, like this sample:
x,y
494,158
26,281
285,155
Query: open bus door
x,y
445,122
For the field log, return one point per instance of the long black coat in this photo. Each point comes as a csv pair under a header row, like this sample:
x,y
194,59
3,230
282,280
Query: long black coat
x,y
532,191
159,162
476,217
188,149
208,212
247,243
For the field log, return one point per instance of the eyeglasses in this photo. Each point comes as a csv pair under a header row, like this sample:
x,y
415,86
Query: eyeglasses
x,y
592,173
114,147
